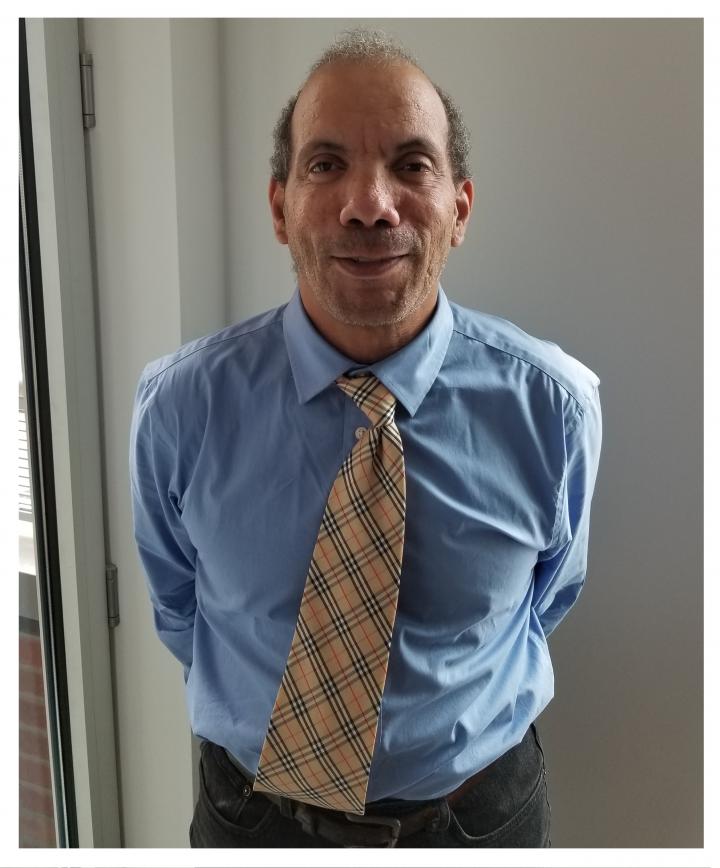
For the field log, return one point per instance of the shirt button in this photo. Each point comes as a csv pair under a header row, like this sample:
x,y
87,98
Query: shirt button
x,y
360,433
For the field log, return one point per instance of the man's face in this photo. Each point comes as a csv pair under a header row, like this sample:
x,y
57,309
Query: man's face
x,y
370,209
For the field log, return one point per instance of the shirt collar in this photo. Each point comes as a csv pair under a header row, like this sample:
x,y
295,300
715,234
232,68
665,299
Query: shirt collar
x,y
408,373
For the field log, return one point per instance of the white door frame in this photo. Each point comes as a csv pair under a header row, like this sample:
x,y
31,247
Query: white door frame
x,y
154,164
53,64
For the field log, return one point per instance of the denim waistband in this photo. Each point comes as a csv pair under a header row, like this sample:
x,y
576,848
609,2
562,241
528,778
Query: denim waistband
x,y
397,806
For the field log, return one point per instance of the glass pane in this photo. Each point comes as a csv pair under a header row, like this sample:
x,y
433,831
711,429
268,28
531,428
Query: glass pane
x,y
37,808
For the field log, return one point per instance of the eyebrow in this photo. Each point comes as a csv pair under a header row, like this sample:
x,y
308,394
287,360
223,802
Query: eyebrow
x,y
418,143
321,145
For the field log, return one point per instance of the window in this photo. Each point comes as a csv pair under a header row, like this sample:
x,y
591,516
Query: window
x,y
47,807
37,809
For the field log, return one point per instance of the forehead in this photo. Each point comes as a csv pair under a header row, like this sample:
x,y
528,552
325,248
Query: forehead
x,y
349,99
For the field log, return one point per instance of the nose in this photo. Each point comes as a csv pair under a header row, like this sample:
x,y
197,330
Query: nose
x,y
369,201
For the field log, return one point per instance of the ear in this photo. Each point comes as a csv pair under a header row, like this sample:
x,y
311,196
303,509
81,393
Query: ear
x,y
463,207
276,194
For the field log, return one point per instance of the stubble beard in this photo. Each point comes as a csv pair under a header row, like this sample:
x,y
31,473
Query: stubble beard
x,y
405,303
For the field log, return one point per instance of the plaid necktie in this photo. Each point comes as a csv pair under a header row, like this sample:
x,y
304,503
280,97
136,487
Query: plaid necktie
x,y
322,730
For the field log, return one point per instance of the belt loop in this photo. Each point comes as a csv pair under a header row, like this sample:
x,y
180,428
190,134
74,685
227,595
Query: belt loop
x,y
286,808
392,824
303,814
442,822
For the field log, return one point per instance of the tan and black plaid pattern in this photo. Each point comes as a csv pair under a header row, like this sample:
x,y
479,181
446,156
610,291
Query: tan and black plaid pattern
x,y
322,730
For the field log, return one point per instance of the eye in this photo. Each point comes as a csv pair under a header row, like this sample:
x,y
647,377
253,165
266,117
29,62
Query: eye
x,y
322,166
416,166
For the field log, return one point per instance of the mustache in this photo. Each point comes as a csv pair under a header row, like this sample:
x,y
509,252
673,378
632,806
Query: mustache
x,y
369,242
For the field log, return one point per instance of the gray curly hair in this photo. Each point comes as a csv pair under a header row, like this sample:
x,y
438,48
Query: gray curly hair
x,y
378,47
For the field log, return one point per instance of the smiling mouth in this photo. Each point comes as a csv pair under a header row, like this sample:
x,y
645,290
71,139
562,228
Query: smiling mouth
x,y
372,258
365,266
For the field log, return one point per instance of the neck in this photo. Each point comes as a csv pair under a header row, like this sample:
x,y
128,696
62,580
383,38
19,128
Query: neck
x,y
368,344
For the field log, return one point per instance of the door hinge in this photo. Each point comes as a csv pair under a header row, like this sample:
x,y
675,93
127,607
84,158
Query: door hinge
x,y
86,90
113,601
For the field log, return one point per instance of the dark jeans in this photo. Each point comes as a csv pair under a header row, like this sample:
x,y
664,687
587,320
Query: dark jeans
x,y
508,807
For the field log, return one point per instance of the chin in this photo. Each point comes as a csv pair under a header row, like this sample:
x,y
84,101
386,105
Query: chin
x,y
367,306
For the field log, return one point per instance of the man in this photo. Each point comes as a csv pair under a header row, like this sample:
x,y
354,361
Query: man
x,y
361,514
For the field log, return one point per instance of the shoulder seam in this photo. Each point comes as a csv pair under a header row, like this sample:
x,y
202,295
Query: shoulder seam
x,y
579,403
207,346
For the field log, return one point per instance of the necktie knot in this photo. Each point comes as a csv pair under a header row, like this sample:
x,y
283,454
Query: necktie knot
x,y
375,400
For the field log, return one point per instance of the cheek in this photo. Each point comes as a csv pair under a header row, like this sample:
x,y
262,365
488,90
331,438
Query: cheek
x,y
297,224
435,216
440,230
309,223
295,218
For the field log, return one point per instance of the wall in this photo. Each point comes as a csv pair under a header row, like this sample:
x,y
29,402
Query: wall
x,y
586,231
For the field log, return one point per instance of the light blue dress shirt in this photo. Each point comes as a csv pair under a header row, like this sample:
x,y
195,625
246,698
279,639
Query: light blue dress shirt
x,y
236,442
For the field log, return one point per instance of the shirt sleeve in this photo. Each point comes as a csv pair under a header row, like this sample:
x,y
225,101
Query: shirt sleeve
x,y
165,549
560,570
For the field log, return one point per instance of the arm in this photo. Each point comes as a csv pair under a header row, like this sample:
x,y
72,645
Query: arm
x,y
560,569
165,549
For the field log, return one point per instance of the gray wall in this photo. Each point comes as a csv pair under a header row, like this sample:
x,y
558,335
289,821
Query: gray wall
x,y
586,231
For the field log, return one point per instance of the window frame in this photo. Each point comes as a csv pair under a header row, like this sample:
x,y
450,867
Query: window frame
x,y
68,306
